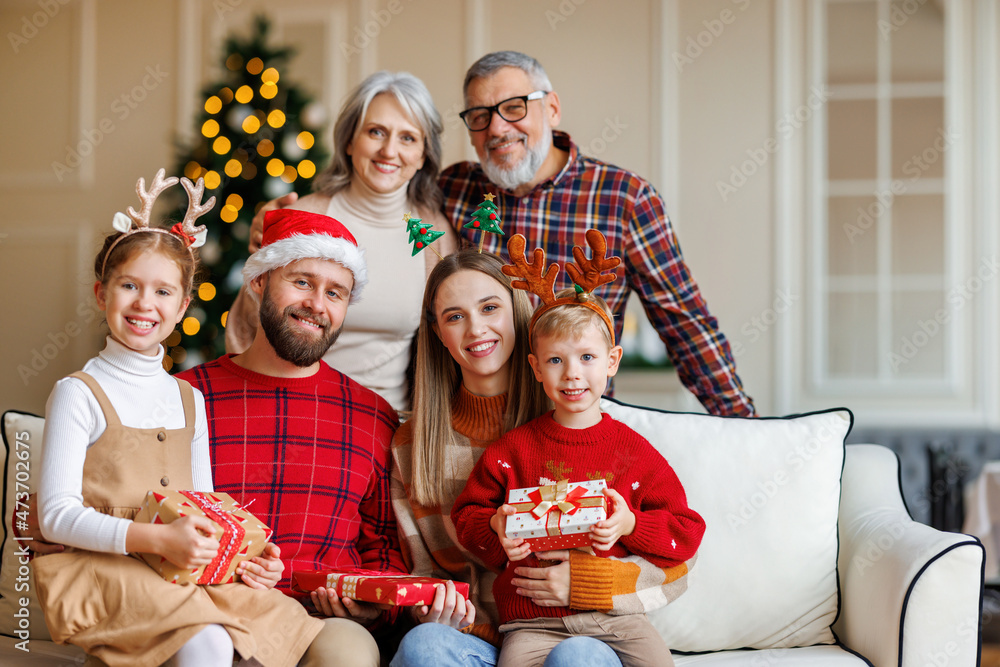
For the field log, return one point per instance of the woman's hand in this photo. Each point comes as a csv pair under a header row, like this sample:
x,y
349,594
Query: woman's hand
x,y
448,608
328,603
546,586
516,549
620,522
257,225
263,571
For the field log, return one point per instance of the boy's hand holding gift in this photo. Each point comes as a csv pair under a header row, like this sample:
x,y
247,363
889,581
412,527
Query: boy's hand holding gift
x,y
621,522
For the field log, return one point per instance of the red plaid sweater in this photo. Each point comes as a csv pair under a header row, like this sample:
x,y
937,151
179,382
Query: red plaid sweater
x,y
667,532
586,194
312,455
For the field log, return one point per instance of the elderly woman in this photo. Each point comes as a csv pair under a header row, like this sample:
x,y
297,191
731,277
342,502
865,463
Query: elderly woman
x,y
387,155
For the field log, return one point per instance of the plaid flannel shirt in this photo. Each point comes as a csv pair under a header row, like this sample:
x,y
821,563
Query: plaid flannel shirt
x,y
312,455
586,194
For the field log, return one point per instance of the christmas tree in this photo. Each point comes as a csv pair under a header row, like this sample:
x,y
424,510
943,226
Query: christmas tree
x,y
486,218
421,235
257,142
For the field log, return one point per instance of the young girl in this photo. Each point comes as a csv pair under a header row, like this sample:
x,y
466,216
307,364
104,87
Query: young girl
x,y
472,354
120,428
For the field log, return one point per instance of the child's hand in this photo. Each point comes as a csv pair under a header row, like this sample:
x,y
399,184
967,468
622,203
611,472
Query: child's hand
x,y
188,542
516,549
448,608
620,522
263,571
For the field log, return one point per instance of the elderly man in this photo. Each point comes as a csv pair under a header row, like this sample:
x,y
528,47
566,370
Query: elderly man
x,y
551,193
308,446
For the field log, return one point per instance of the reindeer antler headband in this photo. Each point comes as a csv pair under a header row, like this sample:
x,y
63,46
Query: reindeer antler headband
x,y
190,235
586,274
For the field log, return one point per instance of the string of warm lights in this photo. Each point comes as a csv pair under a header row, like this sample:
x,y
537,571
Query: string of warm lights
x,y
257,141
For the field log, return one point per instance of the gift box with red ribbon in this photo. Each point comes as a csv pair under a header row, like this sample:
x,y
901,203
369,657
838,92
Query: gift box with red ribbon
x,y
557,516
389,588
241,535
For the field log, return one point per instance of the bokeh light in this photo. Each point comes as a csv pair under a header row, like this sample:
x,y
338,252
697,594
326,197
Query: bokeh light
x,y
305,140
275,167
307,169
221,145
244,94
276,118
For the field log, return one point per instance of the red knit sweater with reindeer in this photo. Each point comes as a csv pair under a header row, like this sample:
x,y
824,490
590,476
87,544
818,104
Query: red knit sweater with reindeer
x,y
667,531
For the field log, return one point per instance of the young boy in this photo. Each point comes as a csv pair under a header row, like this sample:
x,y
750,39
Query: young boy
x,y
573,356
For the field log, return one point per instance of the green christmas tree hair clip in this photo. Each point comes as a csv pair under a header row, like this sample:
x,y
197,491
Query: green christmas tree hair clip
x,y
421,235
486,218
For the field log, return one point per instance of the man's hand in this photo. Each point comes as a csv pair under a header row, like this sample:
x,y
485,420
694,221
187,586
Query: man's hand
x,y
263,571
620,522
328,603
448,608
30,528
257,225
516,549
547,586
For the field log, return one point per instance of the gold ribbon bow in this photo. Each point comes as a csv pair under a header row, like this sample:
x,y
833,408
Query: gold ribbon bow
x,y
557,497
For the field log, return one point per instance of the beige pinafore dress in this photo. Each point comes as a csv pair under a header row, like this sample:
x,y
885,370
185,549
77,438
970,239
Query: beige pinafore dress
x,y
119,609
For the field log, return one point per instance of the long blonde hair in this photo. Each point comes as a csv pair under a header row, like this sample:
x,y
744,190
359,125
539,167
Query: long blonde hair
x,y
438,377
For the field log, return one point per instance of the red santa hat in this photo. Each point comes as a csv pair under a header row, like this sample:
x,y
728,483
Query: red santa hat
x,y
291,235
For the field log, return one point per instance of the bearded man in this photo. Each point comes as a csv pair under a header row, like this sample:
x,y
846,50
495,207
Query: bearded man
x,y
306,448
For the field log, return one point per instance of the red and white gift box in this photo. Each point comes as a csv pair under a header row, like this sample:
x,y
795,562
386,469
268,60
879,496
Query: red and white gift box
x,y
241,535
389,588
557,516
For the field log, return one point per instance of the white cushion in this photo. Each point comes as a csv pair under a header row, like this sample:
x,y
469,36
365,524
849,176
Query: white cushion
x,y
22,439
769,491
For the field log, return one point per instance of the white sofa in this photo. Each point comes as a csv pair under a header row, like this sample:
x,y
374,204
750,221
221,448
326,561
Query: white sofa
x,y
810,557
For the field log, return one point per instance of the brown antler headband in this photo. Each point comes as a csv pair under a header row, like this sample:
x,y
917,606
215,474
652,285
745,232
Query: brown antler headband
x,y
586,274
191,235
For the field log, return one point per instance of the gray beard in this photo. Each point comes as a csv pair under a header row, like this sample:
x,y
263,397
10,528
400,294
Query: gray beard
x,y
511,178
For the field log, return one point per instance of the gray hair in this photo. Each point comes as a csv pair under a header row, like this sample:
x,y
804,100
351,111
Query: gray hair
x,y
492,62
414,97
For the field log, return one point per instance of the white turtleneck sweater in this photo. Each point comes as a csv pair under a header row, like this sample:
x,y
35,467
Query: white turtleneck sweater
x,y
144,396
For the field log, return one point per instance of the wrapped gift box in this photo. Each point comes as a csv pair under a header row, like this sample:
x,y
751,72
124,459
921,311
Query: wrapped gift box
x,y
241,535
389,588
558,516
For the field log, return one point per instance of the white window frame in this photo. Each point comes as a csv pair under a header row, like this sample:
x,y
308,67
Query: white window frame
x,y
968,391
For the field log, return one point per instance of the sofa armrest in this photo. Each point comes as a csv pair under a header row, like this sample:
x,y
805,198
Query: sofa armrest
x,y
902,579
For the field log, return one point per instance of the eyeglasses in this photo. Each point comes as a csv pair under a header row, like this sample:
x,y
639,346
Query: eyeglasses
x,y
511,110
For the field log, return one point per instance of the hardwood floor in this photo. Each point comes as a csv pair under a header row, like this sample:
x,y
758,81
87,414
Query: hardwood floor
x,y
991,655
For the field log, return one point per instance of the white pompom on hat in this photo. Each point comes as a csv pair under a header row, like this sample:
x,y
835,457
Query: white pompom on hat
x,y
291,235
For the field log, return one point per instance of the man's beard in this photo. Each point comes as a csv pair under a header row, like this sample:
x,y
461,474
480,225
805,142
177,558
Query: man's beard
x,y
514,177
294,346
